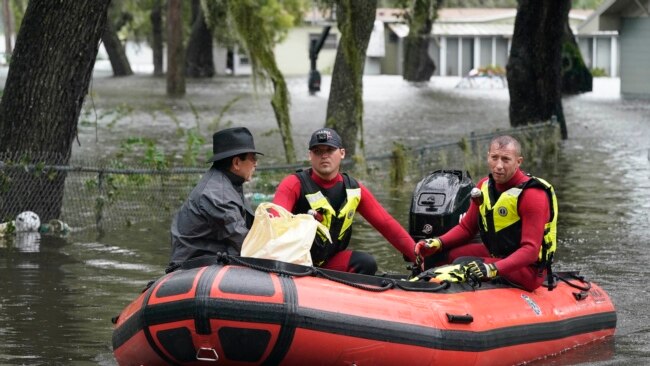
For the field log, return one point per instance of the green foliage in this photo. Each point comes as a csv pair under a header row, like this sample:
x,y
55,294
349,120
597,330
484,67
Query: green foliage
x,y
134,15
270,18
147,152
218,120
152,156
194,141
472,157
221,25
89,116
5,180
491,70
18,8
7,227
133,18
598,72
259,25
540,148
27,164
280,17
571,56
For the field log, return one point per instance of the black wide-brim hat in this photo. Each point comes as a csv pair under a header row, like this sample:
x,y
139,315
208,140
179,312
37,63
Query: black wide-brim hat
x,y
231,142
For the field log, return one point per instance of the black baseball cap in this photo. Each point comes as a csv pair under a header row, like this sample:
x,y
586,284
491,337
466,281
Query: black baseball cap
x,y
325,136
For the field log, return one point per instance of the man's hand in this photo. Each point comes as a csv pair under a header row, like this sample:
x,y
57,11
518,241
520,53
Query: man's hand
x,y
424,248
480,270
427,247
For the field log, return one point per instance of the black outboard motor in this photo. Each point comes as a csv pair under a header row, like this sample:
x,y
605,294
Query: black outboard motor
x,y
438,202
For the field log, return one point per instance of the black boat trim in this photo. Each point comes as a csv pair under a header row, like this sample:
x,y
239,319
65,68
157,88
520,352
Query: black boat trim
x,y
203,287
369,328
288,328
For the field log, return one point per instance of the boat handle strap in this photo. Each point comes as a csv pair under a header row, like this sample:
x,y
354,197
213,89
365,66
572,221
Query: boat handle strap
x,y
207,354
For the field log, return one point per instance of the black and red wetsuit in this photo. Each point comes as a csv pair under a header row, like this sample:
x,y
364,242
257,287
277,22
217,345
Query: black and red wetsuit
x,y
520,267
288,195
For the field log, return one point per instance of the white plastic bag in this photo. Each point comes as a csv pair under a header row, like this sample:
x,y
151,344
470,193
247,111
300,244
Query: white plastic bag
x,y
285,237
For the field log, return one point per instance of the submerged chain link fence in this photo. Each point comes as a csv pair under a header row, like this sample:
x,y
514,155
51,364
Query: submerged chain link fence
x,y
104,195
539,142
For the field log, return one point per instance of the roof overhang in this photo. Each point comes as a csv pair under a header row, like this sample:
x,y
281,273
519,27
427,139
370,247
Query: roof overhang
x,y
608,15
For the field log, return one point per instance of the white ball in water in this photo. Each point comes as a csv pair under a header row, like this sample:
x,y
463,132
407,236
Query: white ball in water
x,y
27,221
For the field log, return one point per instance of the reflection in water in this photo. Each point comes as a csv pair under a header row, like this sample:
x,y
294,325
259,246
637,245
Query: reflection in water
x,y
590,354
27,242
58,296
35,304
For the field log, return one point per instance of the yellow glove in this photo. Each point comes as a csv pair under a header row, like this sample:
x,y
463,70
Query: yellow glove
x,y
480,270
449,273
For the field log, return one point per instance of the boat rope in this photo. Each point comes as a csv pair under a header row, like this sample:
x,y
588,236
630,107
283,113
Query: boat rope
x,y
308,271
349,279
575,276
377,283
386,283
584,290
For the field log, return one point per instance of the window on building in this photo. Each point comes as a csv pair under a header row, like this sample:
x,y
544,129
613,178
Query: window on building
x,y
243,58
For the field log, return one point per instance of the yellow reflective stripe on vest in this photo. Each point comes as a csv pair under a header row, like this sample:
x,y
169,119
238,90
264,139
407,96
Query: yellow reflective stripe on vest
x,y
505,213
505,208
318,201
550,229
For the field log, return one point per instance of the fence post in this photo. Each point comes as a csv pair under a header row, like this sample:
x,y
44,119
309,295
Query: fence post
x,y
421,161
100,202
398,165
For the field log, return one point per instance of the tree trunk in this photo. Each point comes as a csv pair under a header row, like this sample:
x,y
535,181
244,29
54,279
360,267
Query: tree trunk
x,y
175,56
418,65
8,28
199,62
157,37
534,68
280,104
345,106
576,77
115,50
48,79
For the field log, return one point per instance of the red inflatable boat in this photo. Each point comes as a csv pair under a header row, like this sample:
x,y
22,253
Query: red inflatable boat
x,y
254,312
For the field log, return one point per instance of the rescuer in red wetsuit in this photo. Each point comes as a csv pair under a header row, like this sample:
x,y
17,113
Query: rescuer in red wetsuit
x,y
334,197
516,216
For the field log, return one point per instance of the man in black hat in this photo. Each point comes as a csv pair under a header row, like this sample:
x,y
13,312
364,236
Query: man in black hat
x,y
333,198
216,217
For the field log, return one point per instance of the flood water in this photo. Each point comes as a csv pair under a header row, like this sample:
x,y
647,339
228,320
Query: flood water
x,y
59,295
